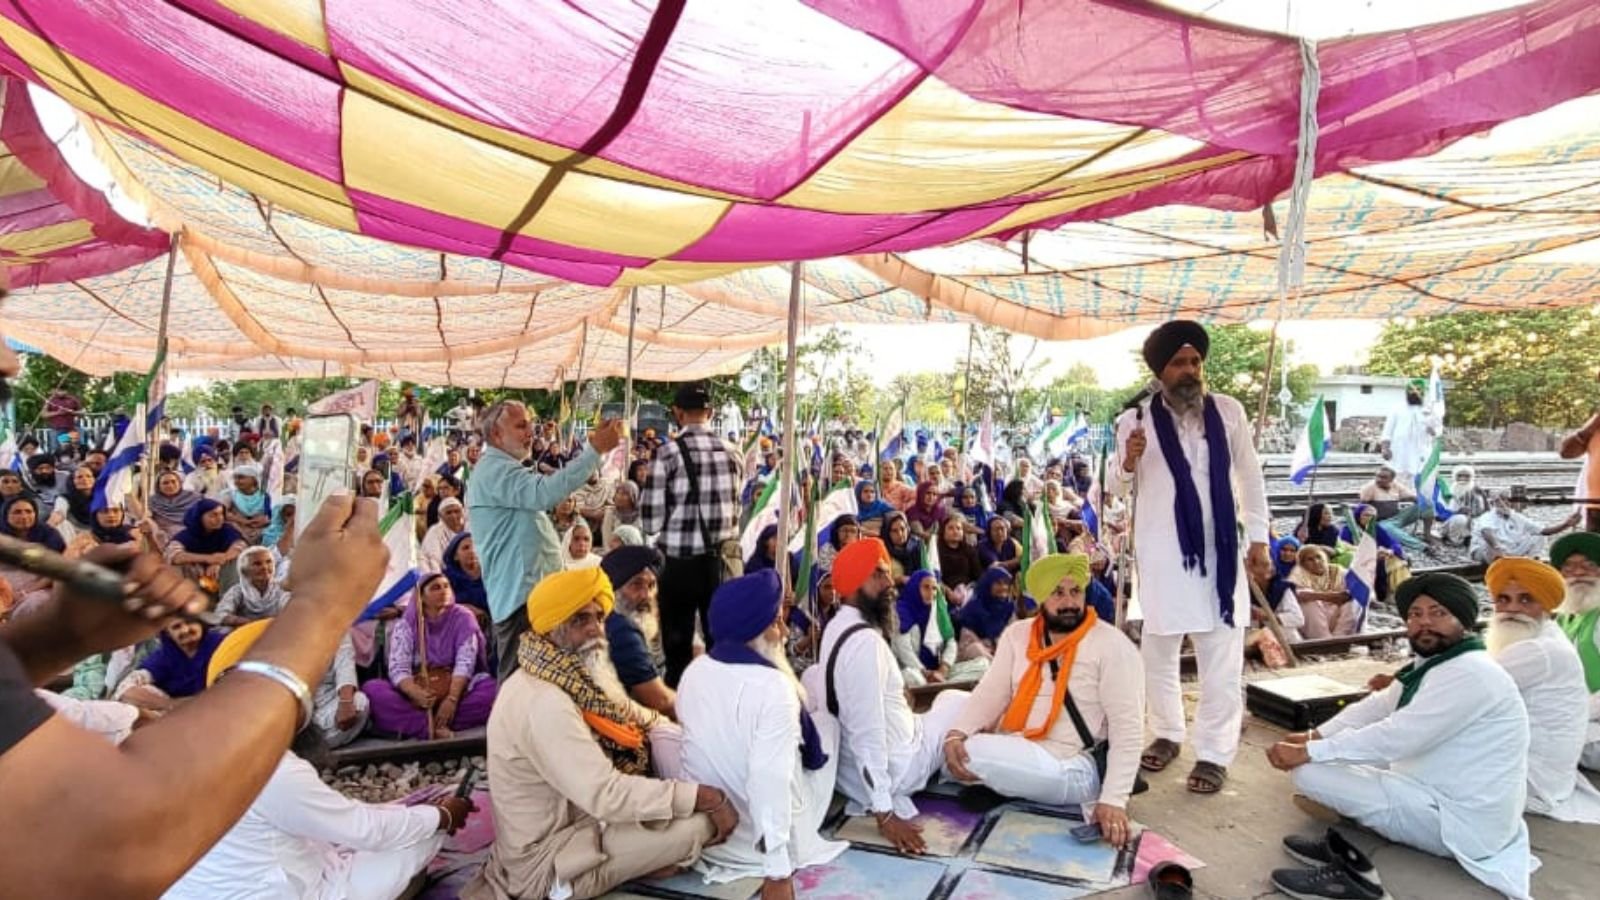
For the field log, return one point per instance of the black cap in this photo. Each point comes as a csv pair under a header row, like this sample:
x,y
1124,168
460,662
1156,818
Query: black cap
x,y
694,395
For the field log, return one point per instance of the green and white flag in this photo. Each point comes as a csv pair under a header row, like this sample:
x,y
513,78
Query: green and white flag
x,y
1037,537
1313,445
940,628
400,535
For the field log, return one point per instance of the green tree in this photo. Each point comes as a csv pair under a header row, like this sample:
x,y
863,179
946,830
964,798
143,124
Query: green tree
x,y
42,374
1003,377
1534,366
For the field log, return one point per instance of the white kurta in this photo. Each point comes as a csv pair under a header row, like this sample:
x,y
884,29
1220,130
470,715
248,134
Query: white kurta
x,y
1463,742
1549,674
741,733
1175,600
302,839
1410,433
886,752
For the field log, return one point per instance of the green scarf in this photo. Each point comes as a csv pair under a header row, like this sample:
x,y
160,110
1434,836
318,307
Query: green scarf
x,y
1580,630
1410,677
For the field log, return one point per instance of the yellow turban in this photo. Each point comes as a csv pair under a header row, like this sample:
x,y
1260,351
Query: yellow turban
x,y
555,599
1046,573
233,648
1541,580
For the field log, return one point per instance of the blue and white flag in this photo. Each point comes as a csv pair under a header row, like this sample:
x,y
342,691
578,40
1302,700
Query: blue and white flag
x,y
116,479
400,536
837,503
1361,578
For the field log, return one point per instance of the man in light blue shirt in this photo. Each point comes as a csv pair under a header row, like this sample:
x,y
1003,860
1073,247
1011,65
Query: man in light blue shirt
x,y
508,506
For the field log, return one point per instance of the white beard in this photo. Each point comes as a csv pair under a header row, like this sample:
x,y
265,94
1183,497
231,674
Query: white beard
x,y
774,652
649,625
596,657
1508,629
1582,596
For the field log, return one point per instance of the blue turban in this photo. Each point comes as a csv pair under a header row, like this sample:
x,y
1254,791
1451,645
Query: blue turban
x,y
621,564
740,610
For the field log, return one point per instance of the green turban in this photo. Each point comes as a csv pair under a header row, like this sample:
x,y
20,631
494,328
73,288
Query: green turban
x,y
1578,543
1450,591
1421,384
1047,572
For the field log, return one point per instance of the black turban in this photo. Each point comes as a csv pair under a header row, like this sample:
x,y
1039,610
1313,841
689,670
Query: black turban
x,y
1450,591
1165,342
621,564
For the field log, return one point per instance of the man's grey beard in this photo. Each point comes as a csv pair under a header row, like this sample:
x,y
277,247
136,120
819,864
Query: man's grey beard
x,y
1506,629
1583,594
1185,397
596,658
879,613
648,622
773,652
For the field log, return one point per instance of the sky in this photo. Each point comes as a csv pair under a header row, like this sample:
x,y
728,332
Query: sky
x,y
1322,343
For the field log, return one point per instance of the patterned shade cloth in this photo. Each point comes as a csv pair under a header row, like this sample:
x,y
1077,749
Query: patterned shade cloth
x,y
609,142
402,189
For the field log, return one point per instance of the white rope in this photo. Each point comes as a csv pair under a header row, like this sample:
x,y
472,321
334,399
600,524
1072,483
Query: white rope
x,y
1292,252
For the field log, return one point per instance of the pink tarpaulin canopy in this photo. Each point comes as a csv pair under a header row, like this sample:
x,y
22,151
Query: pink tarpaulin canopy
x,y
606,142
53,227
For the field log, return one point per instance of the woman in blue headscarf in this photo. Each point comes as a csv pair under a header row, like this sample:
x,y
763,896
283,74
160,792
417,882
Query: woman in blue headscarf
x,y
923,659
870,508
986,613
1285,555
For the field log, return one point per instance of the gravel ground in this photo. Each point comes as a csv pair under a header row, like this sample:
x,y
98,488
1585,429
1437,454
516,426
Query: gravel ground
x,y
388,782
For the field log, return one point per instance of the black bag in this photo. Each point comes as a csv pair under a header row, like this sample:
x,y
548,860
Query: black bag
x,y
1099,750
728,554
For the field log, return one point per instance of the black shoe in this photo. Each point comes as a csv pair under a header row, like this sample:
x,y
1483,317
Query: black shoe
x,y
1331,848
1330,882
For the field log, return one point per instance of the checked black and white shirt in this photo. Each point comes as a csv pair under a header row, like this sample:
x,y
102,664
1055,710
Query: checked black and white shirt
x,y
665,503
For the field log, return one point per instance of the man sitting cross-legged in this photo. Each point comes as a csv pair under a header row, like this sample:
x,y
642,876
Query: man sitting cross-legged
x,y
1527,643
886,753
1014,736
576,810
746,730
1577,555
1437,760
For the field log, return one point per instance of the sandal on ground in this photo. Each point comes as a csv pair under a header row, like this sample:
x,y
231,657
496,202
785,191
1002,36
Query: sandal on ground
x,y
1159,755
1207,777
1170,881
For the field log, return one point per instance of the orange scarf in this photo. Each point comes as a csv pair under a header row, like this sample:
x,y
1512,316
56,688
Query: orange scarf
x,y
626,735
1064,651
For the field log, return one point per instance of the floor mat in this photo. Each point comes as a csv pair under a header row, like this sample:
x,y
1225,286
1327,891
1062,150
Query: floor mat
x,y
945,827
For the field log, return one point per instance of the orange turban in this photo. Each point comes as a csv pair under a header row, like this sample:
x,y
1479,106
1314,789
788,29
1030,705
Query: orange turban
x,y
1540,579
855,564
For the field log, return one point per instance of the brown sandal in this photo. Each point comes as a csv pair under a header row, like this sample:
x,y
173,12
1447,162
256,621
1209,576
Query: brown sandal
x,y
1159,755
1207,777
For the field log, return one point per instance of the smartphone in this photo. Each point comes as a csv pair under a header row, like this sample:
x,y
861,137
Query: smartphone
x,y
327,463
1086,834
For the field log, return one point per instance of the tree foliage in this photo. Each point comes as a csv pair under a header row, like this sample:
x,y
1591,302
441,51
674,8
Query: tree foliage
x,y
42,374
1535,366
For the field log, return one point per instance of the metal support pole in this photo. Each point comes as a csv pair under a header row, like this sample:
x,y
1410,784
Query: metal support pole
x,y
627,388
786,474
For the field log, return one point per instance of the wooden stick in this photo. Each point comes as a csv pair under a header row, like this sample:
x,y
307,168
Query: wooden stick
x,y
1271,617
422,652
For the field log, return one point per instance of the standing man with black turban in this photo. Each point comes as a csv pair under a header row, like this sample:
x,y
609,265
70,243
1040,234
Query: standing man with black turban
x,y
1198,481
1436,760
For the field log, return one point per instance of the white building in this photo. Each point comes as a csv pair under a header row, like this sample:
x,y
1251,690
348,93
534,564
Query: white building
x,y
1360,395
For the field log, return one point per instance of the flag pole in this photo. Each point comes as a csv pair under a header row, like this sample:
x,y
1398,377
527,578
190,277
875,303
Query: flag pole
x,y
147,482
786,473
627,387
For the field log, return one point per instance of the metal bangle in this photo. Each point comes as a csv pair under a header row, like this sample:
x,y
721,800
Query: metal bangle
x,y
288,679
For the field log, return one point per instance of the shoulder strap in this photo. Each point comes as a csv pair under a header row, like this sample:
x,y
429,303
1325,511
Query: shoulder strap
x,y
1072,710
693,471
833,660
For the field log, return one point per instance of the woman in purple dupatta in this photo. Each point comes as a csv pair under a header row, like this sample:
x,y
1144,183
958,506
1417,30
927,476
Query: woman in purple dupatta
x,y
457,690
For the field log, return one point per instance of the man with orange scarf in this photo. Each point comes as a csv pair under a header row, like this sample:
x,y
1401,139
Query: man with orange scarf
x,y
1016,734
576,810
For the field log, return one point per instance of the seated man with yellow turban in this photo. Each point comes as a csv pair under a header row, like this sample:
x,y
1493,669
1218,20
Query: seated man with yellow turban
x,y
302,838
1018,734
576,809
1577,555
1525,640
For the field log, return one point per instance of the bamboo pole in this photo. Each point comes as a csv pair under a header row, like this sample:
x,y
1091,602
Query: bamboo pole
x,y
790,449
627,387
152,440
